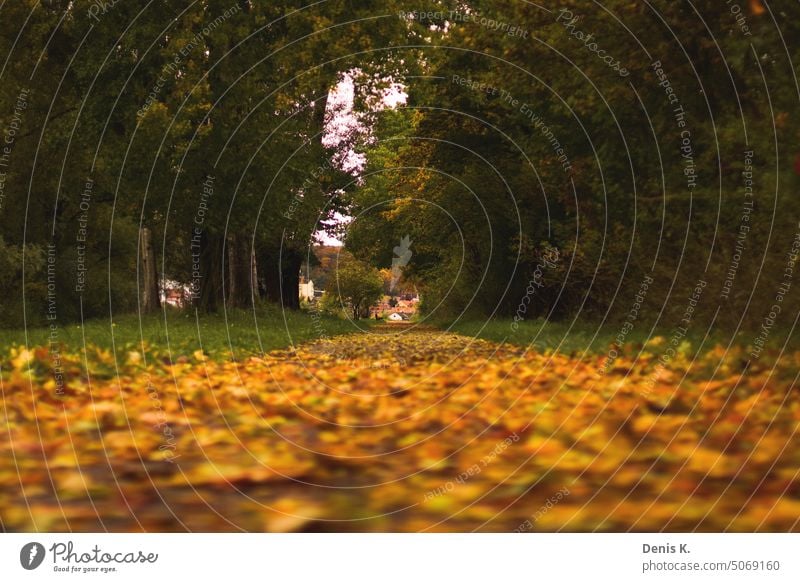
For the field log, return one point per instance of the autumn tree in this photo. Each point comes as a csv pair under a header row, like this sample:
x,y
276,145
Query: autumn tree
x,y
513,145
356,285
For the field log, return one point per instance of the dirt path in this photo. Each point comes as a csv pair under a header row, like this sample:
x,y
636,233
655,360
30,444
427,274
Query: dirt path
x,y
401,429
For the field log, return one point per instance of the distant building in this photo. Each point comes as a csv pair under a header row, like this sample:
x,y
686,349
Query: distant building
x,y
172,297
175,294
306,290
390,305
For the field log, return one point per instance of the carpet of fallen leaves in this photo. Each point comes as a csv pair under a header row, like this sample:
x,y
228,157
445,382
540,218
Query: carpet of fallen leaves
x,y
400,429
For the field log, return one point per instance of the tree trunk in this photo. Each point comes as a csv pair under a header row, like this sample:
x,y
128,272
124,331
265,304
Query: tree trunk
x,y
150,299
238,292
211,276
280,273
269,275
254,290
291,262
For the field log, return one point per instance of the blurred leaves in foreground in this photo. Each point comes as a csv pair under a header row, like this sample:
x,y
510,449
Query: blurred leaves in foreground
x,y
400,429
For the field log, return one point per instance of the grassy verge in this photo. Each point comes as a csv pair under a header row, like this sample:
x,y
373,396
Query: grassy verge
x,y
587,338
234,334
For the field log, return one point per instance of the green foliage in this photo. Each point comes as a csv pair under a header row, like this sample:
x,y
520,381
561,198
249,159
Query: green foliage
x,y
331,304
356,286
511,146
146,103
12,259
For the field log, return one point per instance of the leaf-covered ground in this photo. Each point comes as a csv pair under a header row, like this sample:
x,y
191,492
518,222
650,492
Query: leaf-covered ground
x,y
401,429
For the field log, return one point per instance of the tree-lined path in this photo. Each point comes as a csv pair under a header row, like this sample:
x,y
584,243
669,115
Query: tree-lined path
x,y
400,429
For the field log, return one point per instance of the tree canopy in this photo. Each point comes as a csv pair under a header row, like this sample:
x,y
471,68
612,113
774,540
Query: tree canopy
x,y
192,142
638,141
